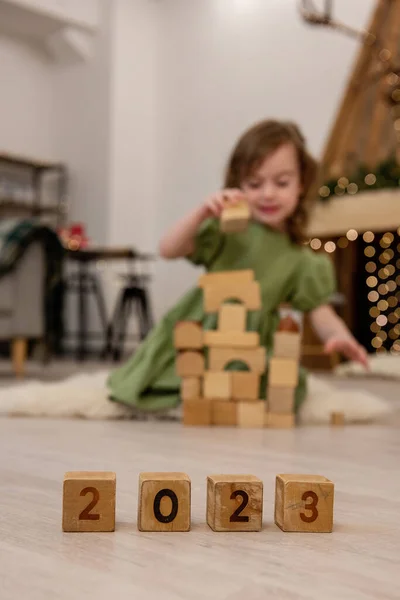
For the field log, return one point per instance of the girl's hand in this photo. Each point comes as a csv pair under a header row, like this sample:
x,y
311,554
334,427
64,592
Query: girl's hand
x,y
218,201
349,347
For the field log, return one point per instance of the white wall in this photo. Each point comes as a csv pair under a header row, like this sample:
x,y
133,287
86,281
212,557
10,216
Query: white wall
x,y
135,108
82,125
223,65
26,100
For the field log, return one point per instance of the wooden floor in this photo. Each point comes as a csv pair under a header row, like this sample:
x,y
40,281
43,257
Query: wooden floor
x,y
359,560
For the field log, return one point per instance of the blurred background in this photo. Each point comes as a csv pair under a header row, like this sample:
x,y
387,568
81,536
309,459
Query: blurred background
x,y
116,117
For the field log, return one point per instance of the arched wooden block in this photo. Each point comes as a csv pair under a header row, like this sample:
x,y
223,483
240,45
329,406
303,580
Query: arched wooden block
x,y
248,294
254,358
188,335
190,363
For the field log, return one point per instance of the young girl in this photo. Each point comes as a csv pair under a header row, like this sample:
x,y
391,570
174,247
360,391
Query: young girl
x,y
271,168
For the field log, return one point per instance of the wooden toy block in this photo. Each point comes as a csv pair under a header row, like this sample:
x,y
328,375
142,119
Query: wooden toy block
x,y
224,413
191,388
283,372
304,503
245,385
89,501
188,335
190,363
281,399
164,502
218,385
290,319
287,345
254,358
235,218
234,339
215,295
337,418
197,412
251,414
279,421
238,278
232,317
234,502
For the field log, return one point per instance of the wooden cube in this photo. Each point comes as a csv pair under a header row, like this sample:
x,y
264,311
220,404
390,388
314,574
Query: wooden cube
x,y
89,501
240,277
304,503
283,372
232,339
287,345
280,421
234,502
197,412
251,414
190,363
224,413
254,358
281,399
337,418
164,502
235,218
232,317
191,388
217,385
216,295
245,385
188,335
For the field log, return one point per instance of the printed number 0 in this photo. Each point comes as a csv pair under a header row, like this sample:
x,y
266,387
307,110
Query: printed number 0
x,y
236,517
86,514
174,508
310,506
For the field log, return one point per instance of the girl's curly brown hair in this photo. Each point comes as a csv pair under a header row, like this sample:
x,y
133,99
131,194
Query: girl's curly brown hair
x,y
255,145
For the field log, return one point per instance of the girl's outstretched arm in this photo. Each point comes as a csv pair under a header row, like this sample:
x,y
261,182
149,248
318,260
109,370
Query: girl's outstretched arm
x,y
332,330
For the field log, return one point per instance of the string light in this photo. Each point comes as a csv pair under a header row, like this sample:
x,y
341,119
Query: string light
x,y
315,244
343,242
324,191
352,189
330,247
370,179
370,267
352,235
368,237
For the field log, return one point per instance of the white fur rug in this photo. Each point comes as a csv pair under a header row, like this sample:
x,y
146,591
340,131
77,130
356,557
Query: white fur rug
x,y
85,396
386,366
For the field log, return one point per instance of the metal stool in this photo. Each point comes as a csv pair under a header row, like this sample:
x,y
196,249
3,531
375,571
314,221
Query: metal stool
x,y
133,298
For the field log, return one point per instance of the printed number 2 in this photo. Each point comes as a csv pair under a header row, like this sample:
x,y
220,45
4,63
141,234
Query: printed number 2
x,y
236,517
310,506
86,515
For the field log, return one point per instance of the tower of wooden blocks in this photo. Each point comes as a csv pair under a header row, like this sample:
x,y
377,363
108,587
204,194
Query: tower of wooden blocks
x,y
284,370
212,395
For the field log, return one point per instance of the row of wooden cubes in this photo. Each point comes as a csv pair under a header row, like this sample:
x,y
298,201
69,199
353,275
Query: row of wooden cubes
x,y
207,411
282,372
234,502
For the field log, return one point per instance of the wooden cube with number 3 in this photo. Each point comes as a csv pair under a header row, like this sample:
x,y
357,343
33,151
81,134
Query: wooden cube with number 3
x,y
304,503
89,501
164,502
234,502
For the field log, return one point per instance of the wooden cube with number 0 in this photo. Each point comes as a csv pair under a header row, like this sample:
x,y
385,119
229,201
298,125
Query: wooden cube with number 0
x,y
234,502
164,502
304,503
89,501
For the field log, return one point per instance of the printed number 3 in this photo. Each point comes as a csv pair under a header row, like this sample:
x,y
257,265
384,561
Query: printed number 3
x,y
310,506
86,515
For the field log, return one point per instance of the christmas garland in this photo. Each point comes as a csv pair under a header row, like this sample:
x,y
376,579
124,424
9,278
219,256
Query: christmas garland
x,y
385,175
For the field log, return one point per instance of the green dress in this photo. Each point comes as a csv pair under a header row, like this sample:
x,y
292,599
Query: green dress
x,y
286,273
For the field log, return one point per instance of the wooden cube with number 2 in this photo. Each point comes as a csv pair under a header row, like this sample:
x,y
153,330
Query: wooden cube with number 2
x,y
304,503
89,501
234,502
